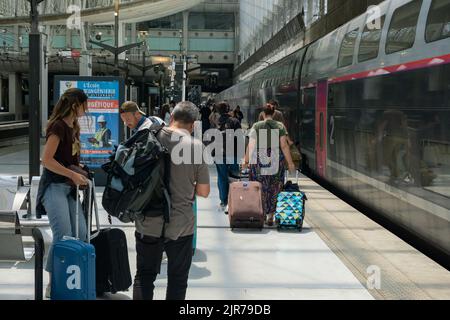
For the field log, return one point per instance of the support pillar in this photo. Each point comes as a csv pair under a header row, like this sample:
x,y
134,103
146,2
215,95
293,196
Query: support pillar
x,y
133,33
85,58
44,80
2,103
34,112
186,50
15,95
186,32
122,33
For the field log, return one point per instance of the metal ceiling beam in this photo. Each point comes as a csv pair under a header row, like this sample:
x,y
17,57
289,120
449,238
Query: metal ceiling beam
x,y
136,11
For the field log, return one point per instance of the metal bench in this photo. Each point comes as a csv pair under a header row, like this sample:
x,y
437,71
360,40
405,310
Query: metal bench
x,y
12,247
17,198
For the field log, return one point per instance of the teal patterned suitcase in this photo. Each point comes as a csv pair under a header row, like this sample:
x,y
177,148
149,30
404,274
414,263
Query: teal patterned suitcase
x,y
290,211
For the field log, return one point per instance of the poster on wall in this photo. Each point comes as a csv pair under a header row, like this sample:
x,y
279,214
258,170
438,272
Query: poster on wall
x,y
101,127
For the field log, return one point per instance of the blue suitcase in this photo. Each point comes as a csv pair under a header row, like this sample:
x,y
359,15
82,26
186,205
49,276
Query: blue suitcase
x,y
194,241
73,276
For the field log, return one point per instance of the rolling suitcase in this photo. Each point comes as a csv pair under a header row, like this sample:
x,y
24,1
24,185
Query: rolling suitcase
x,y
112,264
290,212
245,205
73,276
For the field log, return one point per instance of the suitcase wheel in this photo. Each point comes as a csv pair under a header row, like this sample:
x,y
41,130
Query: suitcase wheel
x,y
300,225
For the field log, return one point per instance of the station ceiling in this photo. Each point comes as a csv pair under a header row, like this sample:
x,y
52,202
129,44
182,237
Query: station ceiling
x,y
136,11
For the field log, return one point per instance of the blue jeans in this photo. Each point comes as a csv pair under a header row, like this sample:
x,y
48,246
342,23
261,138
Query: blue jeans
x,y
61,210
222,180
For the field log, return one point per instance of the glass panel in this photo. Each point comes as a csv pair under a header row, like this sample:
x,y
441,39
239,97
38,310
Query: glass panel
x,y
402,31
221,45
174,22
164,44
403,140
438,24
347,49
211,21
308,119
370,40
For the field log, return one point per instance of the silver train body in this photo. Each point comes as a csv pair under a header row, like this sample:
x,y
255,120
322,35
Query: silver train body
x,y
370,106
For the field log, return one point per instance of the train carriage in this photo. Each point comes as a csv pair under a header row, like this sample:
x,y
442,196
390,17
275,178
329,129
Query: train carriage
x,y
370,105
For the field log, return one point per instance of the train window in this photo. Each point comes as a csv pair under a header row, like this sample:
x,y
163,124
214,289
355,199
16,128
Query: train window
x,y
294,67
402,31
370,40
347,49
438,24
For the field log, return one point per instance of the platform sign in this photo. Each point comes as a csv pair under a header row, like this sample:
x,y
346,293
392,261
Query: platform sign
x,y
101,128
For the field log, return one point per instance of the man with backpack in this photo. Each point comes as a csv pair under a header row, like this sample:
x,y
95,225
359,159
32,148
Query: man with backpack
x,y
135,119
154,235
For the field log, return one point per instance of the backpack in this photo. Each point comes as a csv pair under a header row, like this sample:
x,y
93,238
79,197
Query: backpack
x,y
138,179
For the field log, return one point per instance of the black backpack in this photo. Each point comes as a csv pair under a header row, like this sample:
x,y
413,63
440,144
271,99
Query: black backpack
x,y
138,179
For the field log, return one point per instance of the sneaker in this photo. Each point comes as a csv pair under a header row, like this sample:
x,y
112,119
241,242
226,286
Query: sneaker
x,y
48,291
226,209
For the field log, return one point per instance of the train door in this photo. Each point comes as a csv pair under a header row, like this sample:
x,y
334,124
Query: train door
x,y
321,127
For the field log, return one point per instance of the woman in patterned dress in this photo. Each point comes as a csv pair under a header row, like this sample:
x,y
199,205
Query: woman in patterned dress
x,y
267,163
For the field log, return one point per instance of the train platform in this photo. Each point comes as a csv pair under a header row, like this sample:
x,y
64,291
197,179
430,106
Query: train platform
x,y
340,255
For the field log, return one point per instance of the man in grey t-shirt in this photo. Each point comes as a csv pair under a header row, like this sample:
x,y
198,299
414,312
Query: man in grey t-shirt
x,y
188,178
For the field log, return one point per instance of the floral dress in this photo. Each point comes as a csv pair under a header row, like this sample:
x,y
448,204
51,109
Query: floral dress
x,y
268,167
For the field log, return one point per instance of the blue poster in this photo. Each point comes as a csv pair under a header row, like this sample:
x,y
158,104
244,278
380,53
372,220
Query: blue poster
x,y
100,126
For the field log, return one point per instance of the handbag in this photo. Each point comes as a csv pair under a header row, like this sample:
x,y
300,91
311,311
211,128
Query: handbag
x,y
78,170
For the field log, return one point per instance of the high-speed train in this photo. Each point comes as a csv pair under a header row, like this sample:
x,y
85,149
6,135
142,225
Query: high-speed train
x,y
369,105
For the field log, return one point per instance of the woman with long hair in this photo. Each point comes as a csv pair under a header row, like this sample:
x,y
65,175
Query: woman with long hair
x,y
165,113
61,157
266,154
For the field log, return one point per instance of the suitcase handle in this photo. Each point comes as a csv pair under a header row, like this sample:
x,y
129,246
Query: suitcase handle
x,y
287,175
97,219
92,196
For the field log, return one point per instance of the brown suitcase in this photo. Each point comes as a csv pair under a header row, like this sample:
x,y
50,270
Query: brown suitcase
x,y
245,205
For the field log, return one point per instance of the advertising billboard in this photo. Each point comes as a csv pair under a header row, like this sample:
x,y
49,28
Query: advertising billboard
x,y
101,127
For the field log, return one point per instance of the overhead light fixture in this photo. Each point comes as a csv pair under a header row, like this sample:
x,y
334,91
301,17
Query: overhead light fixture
x,y
161,60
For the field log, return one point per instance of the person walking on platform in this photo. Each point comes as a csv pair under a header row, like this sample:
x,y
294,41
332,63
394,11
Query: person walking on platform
x,y
267,164
214,117
237,113
228,162
277,116
172,105
165,113
62,170
153,236
205,112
